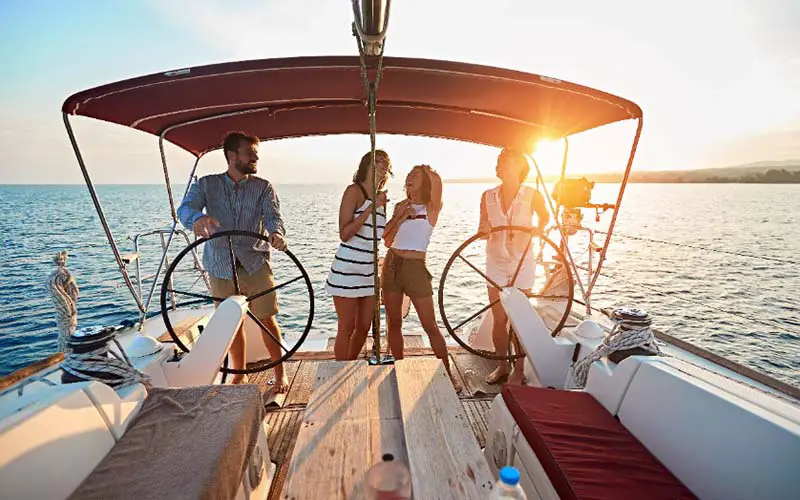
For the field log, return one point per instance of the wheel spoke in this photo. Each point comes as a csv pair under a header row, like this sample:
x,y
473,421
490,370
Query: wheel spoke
x,y
233,266
521,260
540,296
486,308
263,327
270,290
488,279
196,295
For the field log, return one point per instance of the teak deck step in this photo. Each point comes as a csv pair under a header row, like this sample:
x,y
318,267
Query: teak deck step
x,y
284,422
184,330
411,342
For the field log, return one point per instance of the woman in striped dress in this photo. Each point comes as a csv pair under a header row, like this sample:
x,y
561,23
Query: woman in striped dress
x,y
351,278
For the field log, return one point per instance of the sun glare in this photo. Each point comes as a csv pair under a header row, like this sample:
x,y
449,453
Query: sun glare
x,y
549,154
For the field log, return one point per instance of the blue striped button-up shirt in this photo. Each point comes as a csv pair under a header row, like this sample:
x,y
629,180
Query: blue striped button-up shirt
x,y
250,205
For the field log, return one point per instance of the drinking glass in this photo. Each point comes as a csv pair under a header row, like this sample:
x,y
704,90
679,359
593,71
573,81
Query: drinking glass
x,y
387,480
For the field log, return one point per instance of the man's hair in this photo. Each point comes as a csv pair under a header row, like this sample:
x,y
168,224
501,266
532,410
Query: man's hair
x,y
233,140
521,158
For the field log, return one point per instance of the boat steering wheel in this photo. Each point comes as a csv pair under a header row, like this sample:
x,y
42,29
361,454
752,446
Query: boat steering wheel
x,y
557,262
166,288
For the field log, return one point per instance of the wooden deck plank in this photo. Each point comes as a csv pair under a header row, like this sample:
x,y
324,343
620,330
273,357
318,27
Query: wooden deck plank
x,y
332,450
444,457
285,423
281,438
262,379
386,424
476,411
410,341
302,384
408,352
473,370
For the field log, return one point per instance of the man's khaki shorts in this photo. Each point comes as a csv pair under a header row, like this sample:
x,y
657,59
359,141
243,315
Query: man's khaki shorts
x,y
250,284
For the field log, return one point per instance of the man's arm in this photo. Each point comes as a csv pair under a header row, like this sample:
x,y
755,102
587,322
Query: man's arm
x,y
272,211
540,208
192,206
273,221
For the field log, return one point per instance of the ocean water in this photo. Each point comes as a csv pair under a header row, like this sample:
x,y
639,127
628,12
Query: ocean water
x,y
743,308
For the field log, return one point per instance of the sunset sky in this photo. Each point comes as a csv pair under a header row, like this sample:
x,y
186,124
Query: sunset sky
x,y
719,81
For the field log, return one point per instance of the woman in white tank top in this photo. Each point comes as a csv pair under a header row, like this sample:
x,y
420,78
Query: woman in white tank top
x,y
407,235
510,204
351,277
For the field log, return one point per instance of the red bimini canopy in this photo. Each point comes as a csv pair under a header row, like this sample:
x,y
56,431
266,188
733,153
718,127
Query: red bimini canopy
x,y
294,97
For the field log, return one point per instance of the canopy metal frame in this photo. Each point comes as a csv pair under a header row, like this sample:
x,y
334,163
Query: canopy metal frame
x,y
144,303
369,28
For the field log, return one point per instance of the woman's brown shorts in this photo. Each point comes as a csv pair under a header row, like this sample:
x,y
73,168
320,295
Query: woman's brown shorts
x,y
404,275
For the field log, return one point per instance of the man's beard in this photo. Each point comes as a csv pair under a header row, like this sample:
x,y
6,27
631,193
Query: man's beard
x,y
245,168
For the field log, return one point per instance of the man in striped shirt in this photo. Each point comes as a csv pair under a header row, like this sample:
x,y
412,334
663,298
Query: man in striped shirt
x,y
237,199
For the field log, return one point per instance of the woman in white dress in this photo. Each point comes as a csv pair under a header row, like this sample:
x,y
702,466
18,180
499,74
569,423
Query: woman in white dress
x,y
510,204
351,278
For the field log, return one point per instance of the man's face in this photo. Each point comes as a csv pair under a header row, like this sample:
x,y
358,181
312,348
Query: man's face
x,y
508,167
246,161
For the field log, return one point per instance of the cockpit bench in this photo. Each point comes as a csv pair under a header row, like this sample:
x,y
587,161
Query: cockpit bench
x,y
189,443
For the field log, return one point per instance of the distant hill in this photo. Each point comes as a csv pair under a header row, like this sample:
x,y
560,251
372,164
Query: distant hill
x,y
765,172
772,172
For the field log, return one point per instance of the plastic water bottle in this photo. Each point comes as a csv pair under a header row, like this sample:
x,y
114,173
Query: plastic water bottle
x,y
508,486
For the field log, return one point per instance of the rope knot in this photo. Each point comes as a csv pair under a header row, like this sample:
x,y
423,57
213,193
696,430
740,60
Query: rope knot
x,y
61,258
631,330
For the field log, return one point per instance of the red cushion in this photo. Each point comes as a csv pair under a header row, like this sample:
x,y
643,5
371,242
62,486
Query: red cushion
x,y
585,451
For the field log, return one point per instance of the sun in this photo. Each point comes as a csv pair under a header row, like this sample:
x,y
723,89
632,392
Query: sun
x,y
549,154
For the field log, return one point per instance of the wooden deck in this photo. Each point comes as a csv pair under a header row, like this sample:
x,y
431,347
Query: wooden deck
x,y
284,422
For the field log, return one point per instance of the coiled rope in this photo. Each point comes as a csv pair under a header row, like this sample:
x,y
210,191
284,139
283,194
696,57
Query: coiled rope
x,y
92,360
631,330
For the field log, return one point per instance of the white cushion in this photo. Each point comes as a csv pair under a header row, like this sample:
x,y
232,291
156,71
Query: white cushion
x,y
550,357
607,381
48,448
718,444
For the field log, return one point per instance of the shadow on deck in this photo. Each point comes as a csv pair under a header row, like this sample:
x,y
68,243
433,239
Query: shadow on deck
x,y
284,422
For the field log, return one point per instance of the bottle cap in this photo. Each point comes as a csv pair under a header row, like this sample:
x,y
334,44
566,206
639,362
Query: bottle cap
x,y
509,475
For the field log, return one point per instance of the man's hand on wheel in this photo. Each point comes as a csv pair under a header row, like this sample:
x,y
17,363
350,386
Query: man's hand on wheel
x,y
277,241
205,226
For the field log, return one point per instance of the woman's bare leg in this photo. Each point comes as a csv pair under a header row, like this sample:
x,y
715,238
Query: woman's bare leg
x,y
364,314
346,308
499,338
427,317
393,301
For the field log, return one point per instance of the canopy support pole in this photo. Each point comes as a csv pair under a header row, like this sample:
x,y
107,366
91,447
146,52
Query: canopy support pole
x,y
628,168
100,213
173,229
372,98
